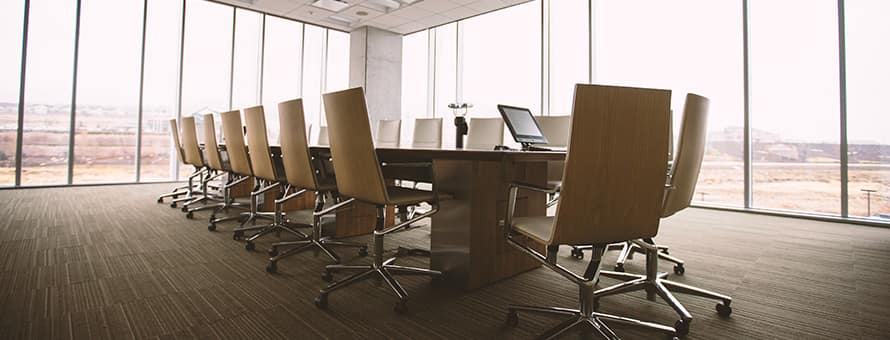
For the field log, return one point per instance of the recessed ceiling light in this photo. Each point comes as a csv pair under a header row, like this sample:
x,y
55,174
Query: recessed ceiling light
x,y
331,5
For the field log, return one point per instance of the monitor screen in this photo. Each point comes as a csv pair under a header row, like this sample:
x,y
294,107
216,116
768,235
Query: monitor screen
x,y
522,125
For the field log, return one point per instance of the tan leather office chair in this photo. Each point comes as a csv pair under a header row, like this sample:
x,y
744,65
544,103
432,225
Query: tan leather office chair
x,y
360,177
185,189
216,163
677,196
304,174
389,133
192,153
485,133
267,176
427,133
619,137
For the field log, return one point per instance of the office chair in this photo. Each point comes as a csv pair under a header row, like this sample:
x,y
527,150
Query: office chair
x,y
193,156
322,137
389,133
618,137
303,174
427,133
556,129
185,189
485,133
216,163
677,195
268,177
360,177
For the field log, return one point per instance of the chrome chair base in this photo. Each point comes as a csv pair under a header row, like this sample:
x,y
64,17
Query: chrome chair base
x,y
382,268
594,320
655,283
628,249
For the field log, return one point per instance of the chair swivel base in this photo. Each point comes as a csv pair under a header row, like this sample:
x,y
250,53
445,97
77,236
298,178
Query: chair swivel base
x,y
266,229
324,244
627,253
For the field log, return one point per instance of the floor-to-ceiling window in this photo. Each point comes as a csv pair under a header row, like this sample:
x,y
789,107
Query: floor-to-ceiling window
x,y
868,115
313,65
794,103
107,112
11,24
336,66
48,91
246,59
568,45
445,82
281,67
415,63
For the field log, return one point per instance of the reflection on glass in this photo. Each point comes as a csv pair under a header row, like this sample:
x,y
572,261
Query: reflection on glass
x,y
867,116
666,45
48,92
281,68
415,49
159,88
107,115
11,21
246,71
794,105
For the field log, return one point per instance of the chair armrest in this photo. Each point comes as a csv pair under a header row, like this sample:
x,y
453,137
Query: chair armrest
x,y
549,190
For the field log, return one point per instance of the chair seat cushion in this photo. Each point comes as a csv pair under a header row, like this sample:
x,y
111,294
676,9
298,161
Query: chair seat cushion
x,y
402,196
539,228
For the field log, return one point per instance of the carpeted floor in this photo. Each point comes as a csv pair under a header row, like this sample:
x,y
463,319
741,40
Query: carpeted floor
x,y
108,262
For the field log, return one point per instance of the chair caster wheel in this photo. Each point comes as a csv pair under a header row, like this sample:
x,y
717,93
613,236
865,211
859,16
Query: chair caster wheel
x,y
679,269
184,209
401,307
211,226
363,251
723,309
326,276
682,327
250,246
619,267
578,254
173,205
237,235
189,215
160,200
321,301
273,252
512,318
272,267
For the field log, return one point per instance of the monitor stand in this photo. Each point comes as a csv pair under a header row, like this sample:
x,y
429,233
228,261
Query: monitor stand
x,y
530,147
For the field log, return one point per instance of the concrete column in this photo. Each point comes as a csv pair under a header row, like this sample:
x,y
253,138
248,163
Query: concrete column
x,y
375,63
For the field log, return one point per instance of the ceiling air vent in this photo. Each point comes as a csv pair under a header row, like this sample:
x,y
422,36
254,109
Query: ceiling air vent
x,y
331,5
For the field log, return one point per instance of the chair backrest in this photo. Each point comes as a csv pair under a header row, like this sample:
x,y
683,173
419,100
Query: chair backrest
x,y
389,133
258,143
352,148
190,142
485,133
295,146
211,150
556,129
687,159
234,139
427,133
174,132
614,178
322,137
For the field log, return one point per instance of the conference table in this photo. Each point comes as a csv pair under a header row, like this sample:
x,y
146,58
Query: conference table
x,y
466,239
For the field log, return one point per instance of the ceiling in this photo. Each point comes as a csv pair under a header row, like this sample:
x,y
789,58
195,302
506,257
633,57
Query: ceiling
x,y
400,16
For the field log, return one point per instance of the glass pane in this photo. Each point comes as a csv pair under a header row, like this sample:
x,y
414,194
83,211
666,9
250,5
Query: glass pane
x,y
206,62
162,36
446,78
569,52
11,21
313,56
48,92
337,77
415,48
867,118
107,91
281,68
673,45
795,124
502,59
248,46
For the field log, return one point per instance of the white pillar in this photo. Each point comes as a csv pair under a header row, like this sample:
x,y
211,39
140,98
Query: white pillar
x,y
375,63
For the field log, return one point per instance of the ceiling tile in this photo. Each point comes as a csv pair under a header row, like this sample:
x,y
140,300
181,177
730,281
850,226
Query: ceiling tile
x,y
483,6
437,6
435,20
413,12
460,13
277,6
360,13
409,27
388,20
308,12
463,2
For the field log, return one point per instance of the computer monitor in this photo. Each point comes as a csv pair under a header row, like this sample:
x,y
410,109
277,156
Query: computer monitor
x,y
523,126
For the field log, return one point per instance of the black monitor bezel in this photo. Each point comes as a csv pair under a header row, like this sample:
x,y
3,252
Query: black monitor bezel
x,y
522,139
